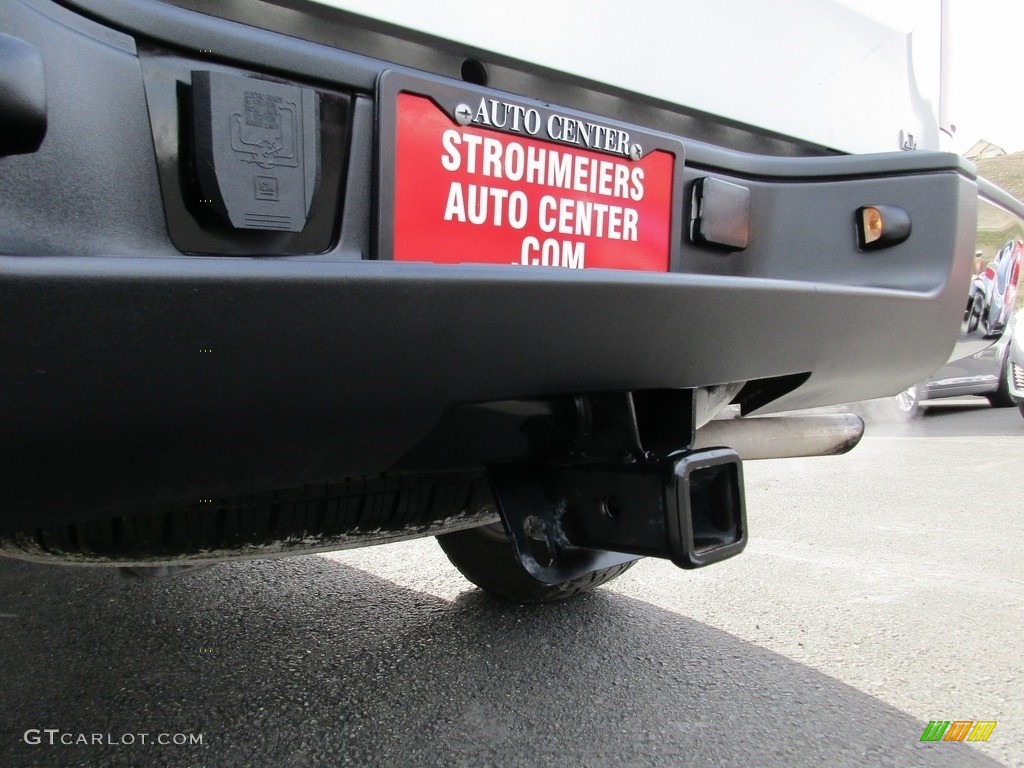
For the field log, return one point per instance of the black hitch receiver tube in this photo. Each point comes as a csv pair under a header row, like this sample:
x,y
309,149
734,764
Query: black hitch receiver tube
x,y
568,521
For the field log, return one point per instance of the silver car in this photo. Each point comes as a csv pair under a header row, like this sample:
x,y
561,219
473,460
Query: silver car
x,y
1015,367
980,362
987,372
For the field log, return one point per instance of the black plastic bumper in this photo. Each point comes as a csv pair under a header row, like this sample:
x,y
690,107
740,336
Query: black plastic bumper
x,y
128,383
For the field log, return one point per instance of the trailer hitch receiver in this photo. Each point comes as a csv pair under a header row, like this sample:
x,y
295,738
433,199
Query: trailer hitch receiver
x,y
709,510
567,521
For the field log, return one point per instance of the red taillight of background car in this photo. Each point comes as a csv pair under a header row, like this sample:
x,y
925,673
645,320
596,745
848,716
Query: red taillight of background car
x,y
1013,284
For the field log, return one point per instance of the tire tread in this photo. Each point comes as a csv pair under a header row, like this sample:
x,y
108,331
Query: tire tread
x,y
490,563
350,507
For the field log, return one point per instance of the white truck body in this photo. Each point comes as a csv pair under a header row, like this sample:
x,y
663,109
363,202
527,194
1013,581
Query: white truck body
x,y
855,79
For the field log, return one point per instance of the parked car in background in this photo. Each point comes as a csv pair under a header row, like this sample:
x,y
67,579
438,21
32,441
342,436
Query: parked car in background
x,y
1015,365
979,363
994,289
984,373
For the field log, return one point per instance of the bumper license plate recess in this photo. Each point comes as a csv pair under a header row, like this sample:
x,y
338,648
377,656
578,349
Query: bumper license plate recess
x,y
474,176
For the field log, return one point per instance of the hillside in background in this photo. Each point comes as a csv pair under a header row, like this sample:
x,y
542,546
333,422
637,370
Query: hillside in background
x,y
1005,171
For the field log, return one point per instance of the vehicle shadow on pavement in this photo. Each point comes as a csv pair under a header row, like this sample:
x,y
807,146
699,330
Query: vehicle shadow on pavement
x,y
307,661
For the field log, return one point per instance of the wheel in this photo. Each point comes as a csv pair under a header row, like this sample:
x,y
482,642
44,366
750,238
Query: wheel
x,y
1001,397
486,557
975,309
908,402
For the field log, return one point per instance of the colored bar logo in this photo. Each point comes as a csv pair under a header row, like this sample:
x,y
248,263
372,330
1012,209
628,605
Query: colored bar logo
x,y
958,730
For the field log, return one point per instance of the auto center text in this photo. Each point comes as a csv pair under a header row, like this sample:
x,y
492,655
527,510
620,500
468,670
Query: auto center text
x,y
498,206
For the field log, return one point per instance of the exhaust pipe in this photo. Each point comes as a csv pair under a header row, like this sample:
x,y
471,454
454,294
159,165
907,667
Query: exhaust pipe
x,y
784,437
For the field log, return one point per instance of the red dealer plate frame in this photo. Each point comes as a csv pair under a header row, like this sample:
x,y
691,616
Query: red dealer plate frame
x,y
458,192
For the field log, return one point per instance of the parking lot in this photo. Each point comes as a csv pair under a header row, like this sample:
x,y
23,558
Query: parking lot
x,y
880,590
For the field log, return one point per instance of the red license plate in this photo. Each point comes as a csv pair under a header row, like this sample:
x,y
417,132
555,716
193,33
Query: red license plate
x,y
563,191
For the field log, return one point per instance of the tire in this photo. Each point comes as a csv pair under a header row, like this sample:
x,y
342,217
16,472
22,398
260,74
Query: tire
x,y
1020,407
1001,397
486,556
975,310
908,402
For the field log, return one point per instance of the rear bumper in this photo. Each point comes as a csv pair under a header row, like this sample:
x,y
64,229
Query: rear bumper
x,y
111,400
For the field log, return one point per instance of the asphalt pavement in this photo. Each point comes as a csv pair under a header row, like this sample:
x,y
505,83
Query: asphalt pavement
x,y
880,590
